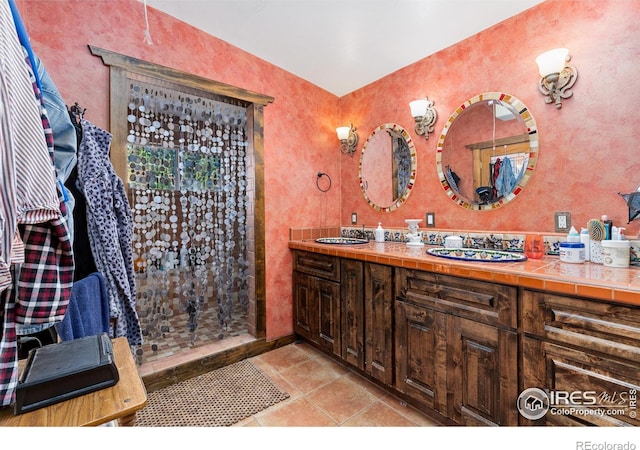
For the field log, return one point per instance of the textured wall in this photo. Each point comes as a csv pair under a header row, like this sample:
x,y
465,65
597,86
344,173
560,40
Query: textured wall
x,y
587,149
299,141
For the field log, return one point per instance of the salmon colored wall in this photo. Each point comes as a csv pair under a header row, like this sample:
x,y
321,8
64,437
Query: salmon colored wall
x,y
588,149
299,140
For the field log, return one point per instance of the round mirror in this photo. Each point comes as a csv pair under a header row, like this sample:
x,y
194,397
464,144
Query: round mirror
x,y
387,167
487,151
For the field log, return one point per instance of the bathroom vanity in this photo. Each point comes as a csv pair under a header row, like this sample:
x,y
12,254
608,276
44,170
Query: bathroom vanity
x,y
462,340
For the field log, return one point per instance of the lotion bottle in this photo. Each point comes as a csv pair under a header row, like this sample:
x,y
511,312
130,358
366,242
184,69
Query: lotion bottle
x,y
379,233
586,240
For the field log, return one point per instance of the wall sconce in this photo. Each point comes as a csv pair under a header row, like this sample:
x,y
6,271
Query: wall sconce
x,y
557,77
425,115
348,139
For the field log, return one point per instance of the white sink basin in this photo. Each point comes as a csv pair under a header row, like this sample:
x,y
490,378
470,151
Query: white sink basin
x,y
477,254
341,240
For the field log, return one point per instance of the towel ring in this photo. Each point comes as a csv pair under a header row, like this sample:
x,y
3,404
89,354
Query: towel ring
x,y
320,175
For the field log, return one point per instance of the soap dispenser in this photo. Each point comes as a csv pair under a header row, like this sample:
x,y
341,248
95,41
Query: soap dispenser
x,y
379,233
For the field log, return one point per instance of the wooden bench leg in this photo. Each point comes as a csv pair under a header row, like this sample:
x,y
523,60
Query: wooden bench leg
x,y
128,420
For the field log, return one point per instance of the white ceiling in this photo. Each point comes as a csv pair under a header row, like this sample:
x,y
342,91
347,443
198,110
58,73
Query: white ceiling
x,y
341,45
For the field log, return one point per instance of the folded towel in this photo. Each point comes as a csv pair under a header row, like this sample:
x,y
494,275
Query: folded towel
x,y
88,310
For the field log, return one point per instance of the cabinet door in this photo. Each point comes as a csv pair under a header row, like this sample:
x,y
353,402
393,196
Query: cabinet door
x,y
304,311
328,317
352,314
420,354
378,312
316,304
482,373
605,390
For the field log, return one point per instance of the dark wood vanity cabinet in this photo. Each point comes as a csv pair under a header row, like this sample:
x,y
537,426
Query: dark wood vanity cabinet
x,y
345,307
466,349
456,346
316,299
585,347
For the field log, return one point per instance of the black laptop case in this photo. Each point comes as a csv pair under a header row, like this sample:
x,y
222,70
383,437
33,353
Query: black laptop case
x,y
59,372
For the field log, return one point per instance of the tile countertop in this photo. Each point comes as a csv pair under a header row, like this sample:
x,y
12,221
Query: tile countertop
x,y
549,273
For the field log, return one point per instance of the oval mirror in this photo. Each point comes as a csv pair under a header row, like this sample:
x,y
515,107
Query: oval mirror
x,y
387,167
487,151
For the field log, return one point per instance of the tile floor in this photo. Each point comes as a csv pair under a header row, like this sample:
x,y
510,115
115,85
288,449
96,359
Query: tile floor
x,y
324,393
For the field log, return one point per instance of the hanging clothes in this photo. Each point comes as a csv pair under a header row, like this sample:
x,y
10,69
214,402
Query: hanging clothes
x,y
505,181
85,263
65,145
110,228
88,311
40,251
494,180
8,216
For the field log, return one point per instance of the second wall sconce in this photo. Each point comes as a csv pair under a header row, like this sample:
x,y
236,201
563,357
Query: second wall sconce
x,y
348,139
425,116
557,77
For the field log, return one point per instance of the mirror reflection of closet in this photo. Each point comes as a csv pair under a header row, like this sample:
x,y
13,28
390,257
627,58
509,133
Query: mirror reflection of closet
x,y
387,167
487,151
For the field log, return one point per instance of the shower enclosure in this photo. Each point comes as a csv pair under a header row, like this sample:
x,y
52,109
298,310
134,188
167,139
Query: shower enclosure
x,y
188,160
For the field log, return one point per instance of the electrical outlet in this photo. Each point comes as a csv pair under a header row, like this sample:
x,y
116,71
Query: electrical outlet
x,y
563,221
431,220
354,218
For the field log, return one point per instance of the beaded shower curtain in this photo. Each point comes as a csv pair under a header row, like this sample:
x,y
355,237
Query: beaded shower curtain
x,y
187,178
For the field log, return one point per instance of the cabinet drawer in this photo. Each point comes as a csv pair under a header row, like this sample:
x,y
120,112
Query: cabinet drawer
x,y
608,328
322,266
613,386
490,303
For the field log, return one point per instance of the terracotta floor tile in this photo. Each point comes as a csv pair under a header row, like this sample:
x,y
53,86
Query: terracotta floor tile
x,y
308,349
331,364
367,385
379,415
342,399
298,413
310,375
409,412
284,357
325,393
286,386
340,394
248,422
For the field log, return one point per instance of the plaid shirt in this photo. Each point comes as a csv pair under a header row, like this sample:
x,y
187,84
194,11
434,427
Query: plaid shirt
x,y
42,283
39,295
